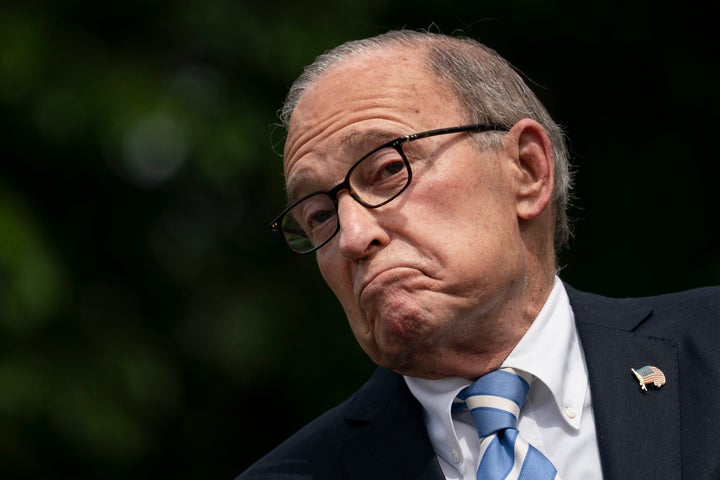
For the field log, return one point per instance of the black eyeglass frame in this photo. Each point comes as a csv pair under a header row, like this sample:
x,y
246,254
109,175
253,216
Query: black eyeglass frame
x,y
276,224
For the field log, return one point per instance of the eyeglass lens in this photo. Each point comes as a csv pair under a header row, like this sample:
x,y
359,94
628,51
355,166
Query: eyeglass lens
x,y
373,181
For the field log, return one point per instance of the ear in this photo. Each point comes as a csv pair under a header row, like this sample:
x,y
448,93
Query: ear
x,y
529,146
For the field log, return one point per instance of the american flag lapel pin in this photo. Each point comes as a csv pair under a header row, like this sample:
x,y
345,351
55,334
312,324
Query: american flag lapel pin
x,y
649,374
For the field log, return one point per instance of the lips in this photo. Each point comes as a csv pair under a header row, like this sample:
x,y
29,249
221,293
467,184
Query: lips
x,y
377,281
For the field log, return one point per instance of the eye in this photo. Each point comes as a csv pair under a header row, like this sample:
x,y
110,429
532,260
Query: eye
x,y
393,168
378,168
315,216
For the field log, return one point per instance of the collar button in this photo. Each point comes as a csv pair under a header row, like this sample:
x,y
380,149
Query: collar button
x,y
570,412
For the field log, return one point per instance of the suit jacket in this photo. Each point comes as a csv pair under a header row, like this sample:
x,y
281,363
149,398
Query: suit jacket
x,y
665,433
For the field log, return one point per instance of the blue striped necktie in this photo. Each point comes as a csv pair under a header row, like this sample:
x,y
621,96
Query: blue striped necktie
x,y
494,401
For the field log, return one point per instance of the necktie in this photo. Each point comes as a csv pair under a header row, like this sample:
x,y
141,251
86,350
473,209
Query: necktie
x,y
494,401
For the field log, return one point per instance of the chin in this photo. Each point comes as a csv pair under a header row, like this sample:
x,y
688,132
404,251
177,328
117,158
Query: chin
x,y
400,339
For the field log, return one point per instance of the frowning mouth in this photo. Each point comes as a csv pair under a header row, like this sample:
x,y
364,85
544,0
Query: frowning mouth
x,y
376,283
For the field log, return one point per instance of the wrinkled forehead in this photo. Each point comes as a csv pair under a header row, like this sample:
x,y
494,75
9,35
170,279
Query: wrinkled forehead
x,y
390,89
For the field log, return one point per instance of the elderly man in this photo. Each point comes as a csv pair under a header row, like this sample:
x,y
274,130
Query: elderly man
x,y
431,185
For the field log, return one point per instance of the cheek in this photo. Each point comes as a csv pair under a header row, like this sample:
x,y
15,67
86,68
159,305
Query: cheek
x,y
467,221
455,209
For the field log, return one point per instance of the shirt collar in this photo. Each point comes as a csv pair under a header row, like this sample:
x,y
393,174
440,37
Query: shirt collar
x,y
550,351
436,397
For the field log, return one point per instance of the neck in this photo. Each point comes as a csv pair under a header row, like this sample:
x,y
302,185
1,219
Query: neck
x,y
485,346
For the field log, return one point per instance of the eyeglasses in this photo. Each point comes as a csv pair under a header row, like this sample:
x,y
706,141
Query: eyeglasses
x,y
373,181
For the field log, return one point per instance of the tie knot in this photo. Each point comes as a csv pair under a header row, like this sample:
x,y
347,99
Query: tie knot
x,y
495,400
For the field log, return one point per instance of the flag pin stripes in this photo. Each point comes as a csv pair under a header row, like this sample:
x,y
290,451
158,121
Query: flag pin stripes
x,y
649,374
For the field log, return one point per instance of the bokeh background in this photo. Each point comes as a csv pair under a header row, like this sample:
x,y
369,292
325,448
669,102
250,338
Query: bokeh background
x,y
150,324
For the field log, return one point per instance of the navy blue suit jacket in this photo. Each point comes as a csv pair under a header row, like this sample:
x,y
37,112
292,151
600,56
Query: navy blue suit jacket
x,y
665,433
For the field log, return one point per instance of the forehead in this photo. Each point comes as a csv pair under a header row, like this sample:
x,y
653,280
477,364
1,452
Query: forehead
x,y
361,101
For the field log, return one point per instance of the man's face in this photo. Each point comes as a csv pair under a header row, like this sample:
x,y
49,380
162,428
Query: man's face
x,y
432,277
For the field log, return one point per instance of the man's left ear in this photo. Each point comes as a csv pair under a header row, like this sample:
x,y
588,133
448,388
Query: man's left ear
x,y
534,167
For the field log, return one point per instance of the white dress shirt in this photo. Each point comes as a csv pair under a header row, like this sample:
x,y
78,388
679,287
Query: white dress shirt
x,y
557,417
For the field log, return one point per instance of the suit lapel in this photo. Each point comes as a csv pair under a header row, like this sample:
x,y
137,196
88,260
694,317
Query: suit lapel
x,y
393,443
630,423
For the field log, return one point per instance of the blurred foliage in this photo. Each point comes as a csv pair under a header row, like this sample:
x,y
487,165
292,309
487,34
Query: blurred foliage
x,y
151,325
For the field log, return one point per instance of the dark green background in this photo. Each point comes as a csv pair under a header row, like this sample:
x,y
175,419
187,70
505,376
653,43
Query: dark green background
x,y
150,325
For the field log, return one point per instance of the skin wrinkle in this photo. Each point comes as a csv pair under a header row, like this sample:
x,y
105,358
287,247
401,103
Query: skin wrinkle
x,y
296,148
445,279
353,146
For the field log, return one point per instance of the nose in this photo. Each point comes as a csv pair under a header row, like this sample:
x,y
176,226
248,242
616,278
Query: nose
x,y
361,232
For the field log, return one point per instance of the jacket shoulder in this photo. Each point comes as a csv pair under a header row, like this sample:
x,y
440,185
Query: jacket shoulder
x,y
670,314
314,450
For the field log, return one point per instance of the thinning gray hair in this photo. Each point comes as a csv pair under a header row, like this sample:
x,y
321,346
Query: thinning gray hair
x,y
486,85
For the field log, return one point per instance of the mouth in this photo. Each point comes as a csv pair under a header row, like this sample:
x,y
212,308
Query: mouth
x,y
377,282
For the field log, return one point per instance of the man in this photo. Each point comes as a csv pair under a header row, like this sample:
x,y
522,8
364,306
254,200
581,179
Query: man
x,y
441,249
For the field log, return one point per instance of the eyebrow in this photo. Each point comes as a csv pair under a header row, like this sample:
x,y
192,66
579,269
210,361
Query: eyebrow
x,y
356,140
353,142
300,179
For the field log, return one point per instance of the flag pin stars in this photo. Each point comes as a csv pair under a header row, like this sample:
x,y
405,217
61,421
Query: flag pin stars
x,y
649,374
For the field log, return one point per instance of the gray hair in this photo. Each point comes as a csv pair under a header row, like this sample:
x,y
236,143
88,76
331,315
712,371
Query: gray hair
x,y
487,86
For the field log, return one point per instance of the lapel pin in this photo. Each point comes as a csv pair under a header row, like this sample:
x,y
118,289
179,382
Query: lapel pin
x,y
649,374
